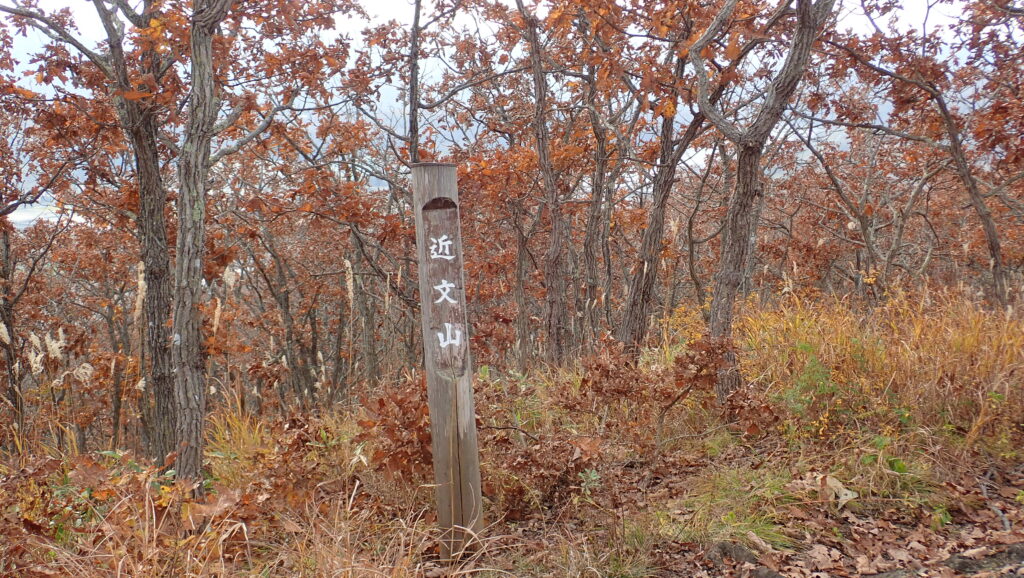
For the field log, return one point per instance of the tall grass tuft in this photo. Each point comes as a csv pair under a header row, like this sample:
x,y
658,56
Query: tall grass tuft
x,y
236,441
936,362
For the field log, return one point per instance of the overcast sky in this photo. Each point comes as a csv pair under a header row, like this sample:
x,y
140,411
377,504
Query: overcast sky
x,y
911,16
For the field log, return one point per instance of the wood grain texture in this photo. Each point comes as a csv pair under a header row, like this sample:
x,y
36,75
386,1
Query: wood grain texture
x,y
446,356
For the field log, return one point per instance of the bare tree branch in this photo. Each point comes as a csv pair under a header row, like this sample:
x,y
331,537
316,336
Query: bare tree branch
x,y
451,93
251,135
52,29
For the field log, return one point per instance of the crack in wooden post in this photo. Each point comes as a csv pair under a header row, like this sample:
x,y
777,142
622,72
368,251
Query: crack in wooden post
x,y
446,357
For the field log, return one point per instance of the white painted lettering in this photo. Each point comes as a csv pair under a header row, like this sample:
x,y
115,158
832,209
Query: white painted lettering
x,y
445,289
452,336
441,248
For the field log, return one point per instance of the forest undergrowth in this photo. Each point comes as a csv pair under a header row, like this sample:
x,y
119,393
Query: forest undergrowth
x,y
868,439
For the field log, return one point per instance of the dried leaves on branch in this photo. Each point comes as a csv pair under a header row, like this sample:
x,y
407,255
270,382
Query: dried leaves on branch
x,y
742,285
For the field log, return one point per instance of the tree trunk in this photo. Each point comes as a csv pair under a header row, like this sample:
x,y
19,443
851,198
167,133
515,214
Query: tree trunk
x,y
339,372
414,86
592,240
988,224
158,404
193,170
595,235
367,317
523,317
138,120
119,343
741,222
555,311
14,393
747,284
633,329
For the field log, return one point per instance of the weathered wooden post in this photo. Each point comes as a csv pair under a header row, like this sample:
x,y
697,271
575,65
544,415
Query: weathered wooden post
x,y
446,356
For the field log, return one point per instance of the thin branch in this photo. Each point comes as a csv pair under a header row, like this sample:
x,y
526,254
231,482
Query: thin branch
x,y
390,132
451,93
254,133
881,128
39,257
728,129
137,19
52,29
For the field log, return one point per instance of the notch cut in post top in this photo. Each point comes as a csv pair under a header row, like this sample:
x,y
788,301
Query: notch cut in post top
x,y
440,203
434,181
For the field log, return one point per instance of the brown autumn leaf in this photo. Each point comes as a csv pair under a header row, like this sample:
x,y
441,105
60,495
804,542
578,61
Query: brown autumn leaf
x,y
88,473
822,557
200,513
134,94
291,526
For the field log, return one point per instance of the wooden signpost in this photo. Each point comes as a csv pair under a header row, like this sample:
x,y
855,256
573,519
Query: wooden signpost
x,y
446,356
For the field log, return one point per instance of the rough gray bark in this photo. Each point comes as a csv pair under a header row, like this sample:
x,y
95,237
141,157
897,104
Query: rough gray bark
x,y
193,171
556,313
740,223
340,369
117,331
605,175
14,393
138,120
633,329
523,339
593,234
151,227
414,86
368,321
736,248
988,224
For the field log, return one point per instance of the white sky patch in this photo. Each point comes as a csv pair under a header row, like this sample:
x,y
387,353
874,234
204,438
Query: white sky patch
x,y
87,27
912,15
385,10
26,216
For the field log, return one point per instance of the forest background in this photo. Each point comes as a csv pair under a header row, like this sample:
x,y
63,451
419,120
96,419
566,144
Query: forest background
x,y
741,280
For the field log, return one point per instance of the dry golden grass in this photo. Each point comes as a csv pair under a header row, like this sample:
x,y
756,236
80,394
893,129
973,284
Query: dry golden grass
x,y
890,400
934,362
